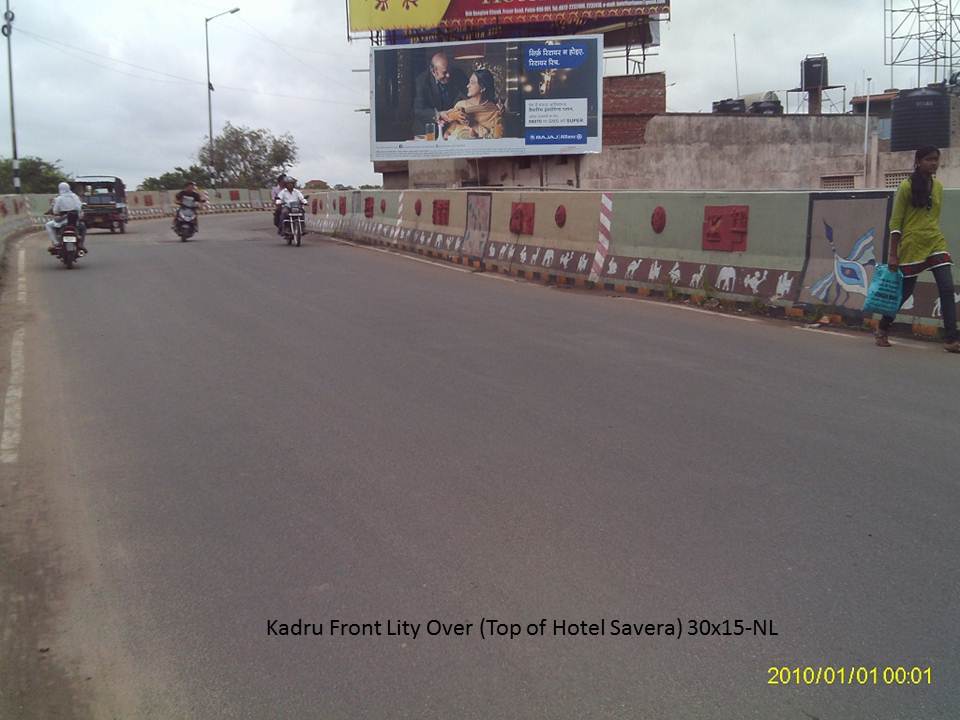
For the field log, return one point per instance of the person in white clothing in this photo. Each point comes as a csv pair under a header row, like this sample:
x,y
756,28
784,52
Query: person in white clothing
x,y
286,196
274,192
64,204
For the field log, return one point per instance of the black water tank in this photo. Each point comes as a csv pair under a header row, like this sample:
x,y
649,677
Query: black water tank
x,y
813,73
766,107
920,117
730,106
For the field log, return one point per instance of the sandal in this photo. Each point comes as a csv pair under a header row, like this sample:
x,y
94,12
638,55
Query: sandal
x,y
882,339
952,346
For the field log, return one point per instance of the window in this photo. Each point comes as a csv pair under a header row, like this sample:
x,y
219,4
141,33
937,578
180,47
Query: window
x,y
836,182
893,180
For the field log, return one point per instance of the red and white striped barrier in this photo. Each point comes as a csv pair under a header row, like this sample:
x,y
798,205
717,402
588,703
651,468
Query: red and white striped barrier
x,y
603,238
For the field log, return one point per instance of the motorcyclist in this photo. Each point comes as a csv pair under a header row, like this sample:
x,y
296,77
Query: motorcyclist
x,y
287,195
66,208
274,192
190,190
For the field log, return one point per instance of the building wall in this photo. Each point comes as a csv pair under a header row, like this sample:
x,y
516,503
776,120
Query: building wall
x,y
674,151
629,102
729,152
893,166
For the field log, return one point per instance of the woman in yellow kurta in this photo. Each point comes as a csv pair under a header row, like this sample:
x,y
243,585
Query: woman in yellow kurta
x,y
479,116
917,243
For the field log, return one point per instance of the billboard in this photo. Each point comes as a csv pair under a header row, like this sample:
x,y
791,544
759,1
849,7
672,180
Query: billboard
x,y
531,96
460,14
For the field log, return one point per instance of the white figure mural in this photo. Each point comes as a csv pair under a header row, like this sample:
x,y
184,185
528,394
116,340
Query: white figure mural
x,y
784,283
582,263
754,281
632,268
503,252
492,251
511,252
533,260
726,279
938,307
696,280
655,269
612,267
675,273
459,243
565,259
548,258
523,255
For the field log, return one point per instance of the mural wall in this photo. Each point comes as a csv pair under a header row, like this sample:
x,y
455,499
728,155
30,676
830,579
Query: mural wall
x,y
814,249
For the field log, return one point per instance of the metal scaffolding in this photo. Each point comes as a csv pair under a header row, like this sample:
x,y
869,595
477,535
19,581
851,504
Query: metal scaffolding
x,y
924,34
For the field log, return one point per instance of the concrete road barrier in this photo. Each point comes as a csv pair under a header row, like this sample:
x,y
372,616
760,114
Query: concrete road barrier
x,y
812,250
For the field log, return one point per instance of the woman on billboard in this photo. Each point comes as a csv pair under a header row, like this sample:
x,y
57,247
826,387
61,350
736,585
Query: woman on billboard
x,y
480,115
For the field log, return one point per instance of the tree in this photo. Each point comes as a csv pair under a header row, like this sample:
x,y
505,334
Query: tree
x,y
370,187
36,175
177,178
243,157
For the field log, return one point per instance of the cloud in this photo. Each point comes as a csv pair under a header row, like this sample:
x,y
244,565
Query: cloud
x,y
101,116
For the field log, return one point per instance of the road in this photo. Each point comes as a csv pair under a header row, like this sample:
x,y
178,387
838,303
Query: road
x,y
228,432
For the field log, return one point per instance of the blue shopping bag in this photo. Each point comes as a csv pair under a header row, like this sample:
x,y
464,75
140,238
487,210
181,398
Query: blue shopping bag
x,y
885,293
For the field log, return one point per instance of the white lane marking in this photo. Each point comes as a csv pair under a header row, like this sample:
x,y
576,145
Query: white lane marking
x,y
13,400
498,276
405,257
10,442
910,344
687,308
21,277
827,332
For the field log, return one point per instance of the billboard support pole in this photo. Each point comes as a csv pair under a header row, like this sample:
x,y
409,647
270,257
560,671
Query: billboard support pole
x,y
736,65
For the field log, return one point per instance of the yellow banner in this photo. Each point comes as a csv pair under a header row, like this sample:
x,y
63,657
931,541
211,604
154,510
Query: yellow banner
x,y
396,14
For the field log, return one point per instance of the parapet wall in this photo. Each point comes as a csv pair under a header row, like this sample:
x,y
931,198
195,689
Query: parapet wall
x,y
780,248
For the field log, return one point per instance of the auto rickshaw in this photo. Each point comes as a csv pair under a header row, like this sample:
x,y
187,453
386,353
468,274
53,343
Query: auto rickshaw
x,y
104,201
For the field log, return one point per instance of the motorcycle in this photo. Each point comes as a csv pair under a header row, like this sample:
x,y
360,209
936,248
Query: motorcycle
x,y
294,223
70,246
185,221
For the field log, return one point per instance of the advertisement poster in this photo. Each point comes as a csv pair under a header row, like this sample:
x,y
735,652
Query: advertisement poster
x,y
461,14
537,96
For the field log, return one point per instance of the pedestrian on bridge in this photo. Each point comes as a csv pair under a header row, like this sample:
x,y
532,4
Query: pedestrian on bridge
x,y
917,243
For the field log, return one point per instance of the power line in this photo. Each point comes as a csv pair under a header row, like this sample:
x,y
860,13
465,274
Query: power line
x,y
43,38
298,48
287,52
56,45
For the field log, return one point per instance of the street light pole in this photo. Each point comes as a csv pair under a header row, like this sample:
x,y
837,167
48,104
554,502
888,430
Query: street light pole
x,y
866,133
206,35
8,31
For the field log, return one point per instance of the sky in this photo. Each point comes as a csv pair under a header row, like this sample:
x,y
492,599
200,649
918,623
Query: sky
x,y
119,86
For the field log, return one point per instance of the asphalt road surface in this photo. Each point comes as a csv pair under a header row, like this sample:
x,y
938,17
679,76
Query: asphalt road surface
x,y
207,442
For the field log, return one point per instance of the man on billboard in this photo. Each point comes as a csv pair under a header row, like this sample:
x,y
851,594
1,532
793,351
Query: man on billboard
x,y
436,91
